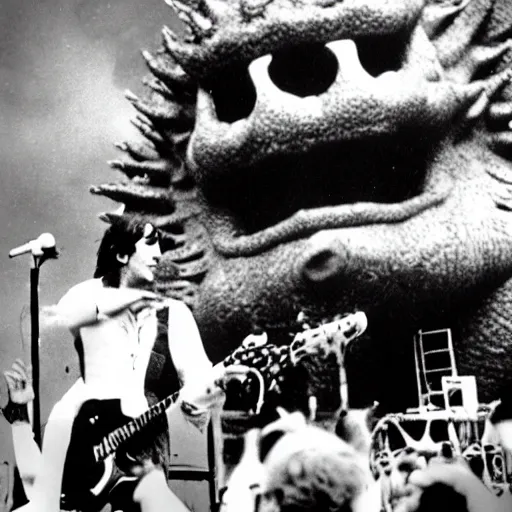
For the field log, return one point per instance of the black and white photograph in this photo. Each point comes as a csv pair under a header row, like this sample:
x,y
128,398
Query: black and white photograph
x,y
256,255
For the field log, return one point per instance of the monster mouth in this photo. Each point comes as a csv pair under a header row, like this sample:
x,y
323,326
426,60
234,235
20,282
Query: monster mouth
x,y
230,243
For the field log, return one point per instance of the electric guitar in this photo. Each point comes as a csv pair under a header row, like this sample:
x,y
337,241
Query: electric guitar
x,y
92,472
96,461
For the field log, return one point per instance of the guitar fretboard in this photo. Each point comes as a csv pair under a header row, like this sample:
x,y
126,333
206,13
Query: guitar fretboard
x,y
111,443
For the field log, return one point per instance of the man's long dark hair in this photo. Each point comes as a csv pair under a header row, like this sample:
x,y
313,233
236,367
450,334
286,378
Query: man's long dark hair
x,y
119,239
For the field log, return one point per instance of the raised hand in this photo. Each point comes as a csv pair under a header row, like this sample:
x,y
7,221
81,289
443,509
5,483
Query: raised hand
x,y
19,381
21,392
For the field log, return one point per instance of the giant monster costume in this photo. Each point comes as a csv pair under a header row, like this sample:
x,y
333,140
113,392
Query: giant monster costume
x,y
328,156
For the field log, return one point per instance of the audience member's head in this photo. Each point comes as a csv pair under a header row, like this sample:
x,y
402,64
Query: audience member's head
x,y
312,470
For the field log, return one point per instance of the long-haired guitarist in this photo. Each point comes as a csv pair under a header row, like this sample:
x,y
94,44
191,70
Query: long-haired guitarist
x,y
113,319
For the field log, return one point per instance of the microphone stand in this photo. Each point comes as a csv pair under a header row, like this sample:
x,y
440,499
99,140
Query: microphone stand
x,y
34,346
38,258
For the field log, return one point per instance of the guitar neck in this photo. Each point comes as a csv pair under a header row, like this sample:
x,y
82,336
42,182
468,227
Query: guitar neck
x,y
112,441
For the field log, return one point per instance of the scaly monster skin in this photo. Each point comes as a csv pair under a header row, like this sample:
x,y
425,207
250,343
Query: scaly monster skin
x,y
329,156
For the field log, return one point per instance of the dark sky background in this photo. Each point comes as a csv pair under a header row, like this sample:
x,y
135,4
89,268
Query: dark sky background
x,y
64,65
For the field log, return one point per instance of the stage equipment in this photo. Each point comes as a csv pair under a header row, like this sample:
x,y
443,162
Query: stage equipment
x,y
42,249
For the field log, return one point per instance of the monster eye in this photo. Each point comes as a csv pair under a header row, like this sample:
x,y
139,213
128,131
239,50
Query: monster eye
x,y
305,70
232,82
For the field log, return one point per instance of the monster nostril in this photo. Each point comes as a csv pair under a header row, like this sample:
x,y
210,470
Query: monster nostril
x,y
306,70
322,265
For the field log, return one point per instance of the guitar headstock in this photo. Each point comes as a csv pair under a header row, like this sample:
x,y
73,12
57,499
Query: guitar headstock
x,y
332,337
275,365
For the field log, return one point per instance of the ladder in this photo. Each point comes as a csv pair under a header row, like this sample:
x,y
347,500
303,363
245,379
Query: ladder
x,y
435,359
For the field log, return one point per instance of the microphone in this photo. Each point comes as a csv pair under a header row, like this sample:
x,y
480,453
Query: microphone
x,y
38,247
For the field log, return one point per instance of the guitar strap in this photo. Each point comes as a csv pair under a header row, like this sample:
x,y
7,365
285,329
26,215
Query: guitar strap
x,y
161,376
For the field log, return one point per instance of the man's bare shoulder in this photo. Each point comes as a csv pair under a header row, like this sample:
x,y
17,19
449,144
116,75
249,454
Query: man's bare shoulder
x,y
82,291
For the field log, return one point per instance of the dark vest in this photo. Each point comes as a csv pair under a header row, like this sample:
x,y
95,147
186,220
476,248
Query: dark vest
x,y
161,376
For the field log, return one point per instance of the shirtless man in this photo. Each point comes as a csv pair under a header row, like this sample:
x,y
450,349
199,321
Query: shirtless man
x,y
114,322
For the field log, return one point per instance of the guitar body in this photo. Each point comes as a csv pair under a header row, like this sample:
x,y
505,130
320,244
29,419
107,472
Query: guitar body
x,y
88,485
